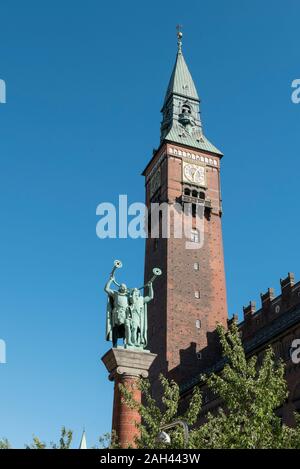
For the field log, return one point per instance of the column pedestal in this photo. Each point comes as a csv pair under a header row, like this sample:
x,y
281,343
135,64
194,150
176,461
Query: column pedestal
x,y
125,367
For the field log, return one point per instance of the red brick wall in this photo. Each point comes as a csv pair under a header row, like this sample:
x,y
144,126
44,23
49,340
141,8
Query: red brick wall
x,y
173,334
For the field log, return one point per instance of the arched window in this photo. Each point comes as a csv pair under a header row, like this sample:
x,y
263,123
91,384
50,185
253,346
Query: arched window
x,y
187,191
195,194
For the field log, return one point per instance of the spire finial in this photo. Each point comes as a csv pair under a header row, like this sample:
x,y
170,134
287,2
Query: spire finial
x,y
179,37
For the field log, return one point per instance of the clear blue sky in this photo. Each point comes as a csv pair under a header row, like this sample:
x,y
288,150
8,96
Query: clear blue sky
x,y
85,83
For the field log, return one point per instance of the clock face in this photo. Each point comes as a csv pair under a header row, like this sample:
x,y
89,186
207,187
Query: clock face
x,y
194,173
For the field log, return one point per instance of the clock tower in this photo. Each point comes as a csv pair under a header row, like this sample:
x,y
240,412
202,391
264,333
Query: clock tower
x,y
190,297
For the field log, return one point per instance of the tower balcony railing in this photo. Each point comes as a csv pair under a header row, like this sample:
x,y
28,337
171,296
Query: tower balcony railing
x,y
196,200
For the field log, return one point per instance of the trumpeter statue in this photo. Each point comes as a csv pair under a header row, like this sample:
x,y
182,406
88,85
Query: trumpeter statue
x,y
126,314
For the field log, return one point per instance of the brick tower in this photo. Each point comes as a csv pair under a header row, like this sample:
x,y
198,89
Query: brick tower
x,y
190,297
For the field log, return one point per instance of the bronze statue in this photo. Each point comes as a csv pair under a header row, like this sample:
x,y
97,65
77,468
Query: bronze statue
x,y
126,314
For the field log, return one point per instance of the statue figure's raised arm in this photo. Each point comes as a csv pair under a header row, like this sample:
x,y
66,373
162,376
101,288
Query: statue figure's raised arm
x,y
156,273
150,295
107,288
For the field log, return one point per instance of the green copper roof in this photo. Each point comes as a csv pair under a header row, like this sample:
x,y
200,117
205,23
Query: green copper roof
x,y
181,121
181,81
195,140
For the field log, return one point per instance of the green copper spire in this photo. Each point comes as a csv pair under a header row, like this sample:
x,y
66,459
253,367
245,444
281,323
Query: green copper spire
x,y
181,109
181,81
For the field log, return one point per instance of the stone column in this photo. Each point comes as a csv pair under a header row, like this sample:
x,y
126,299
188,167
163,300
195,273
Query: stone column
x,y
125,367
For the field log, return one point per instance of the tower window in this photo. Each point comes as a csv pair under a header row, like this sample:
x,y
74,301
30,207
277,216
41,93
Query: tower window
x,y
187,191
197,294
196,266
186,109
194,210
195,236
195,194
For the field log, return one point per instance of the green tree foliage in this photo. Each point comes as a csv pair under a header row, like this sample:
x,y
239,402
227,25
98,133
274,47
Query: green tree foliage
x,y
154,417
249,395
37,444
108,440
64,441
4,443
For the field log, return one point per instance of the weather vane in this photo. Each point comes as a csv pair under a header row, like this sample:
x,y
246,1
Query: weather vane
x,y
179,36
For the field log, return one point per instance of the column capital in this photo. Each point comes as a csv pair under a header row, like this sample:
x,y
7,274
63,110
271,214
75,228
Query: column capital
x,y
128,362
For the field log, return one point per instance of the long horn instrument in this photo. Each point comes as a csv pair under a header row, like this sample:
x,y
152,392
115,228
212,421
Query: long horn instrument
x,y
117,265
156,273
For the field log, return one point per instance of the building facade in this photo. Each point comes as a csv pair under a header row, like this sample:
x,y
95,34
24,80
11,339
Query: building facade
x,y
185,171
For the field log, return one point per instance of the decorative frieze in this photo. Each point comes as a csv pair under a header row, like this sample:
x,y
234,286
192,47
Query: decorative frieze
x,y
183,154
193,156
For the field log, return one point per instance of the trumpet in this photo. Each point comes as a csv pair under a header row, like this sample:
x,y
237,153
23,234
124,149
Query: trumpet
x,y
117,265
156,273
